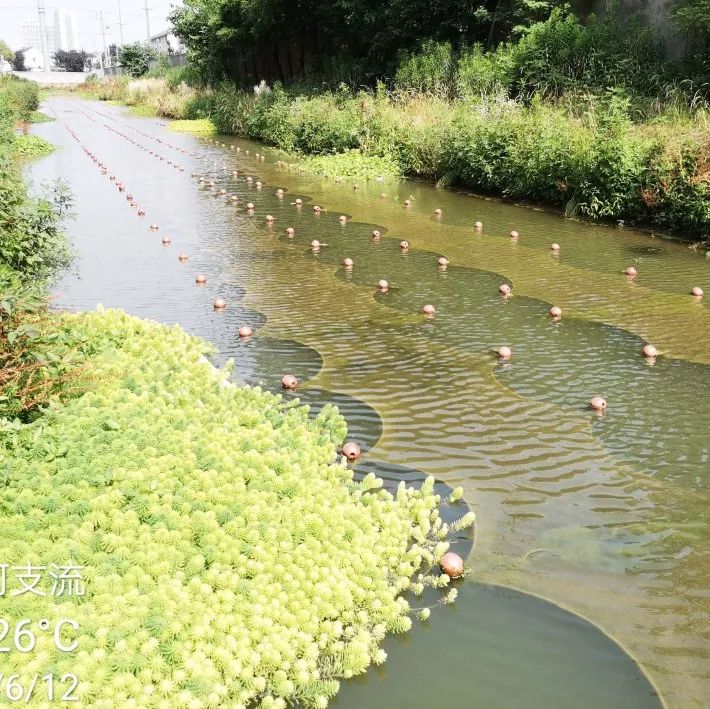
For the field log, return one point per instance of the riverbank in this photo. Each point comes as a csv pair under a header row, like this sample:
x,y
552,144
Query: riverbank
x,y
586,158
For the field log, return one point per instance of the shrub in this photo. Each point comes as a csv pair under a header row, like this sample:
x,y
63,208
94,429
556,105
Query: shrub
x,y
22,95
226,558
39,358
32,242
136,58
430,70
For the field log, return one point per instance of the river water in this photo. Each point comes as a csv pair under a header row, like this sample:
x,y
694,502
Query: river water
x,y
604,516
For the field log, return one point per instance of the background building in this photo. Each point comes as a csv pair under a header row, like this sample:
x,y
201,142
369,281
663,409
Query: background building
x,y
31,36
66,30
33,58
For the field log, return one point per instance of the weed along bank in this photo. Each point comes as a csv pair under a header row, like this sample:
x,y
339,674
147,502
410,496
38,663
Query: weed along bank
x,y
377,375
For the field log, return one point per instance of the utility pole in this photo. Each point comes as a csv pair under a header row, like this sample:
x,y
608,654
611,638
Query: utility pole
x,y
147,21
120,21
103,38
43,34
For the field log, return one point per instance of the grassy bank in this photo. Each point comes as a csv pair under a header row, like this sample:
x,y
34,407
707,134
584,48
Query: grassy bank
x,y
586,156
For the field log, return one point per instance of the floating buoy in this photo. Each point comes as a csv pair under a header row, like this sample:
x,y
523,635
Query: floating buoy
x,y
351,450
383,285
154,227
342,219
290,231
166,241
504,288
269,218
437,211
348,263
219,303
245,331
631,271
697,291
649,351
376,234
200,279
514,234
182,257
443,261
479,225
452,565
504,352
554,247
598,403
556,312
404,245
250,206
428,309
288,381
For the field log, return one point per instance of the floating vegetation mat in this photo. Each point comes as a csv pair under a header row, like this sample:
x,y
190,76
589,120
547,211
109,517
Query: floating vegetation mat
x,y
227,556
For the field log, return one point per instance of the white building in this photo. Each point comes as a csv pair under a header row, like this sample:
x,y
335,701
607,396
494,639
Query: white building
x,y
33,57
166,43
66,30
32,37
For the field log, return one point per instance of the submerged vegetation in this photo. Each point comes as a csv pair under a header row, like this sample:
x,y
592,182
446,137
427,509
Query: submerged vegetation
x,y
588,117
227,556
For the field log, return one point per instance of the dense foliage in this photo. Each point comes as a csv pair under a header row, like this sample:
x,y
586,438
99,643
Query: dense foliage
x,y
226,557
72,60
136,58
344,33
37,360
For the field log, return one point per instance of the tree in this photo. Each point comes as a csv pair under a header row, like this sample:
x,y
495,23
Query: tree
x,y
136,58
72,60
18,63
5,52
693,17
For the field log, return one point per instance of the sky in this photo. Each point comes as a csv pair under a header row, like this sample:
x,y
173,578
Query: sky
x,y
13,13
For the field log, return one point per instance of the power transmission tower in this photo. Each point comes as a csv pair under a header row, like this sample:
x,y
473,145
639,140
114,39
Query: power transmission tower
x,y
43,34
147,21
104,59
120,21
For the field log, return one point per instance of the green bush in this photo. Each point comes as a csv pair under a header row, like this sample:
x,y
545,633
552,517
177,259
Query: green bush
x,y
39,358
22,95
479,73
32,242
227,558
430,70
562,54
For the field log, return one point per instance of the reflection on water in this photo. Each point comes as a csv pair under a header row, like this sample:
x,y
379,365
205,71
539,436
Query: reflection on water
x,y
606,515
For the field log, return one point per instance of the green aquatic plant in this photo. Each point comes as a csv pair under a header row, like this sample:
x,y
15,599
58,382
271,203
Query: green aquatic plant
x,y
30,146
228,557
198,125
352,165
